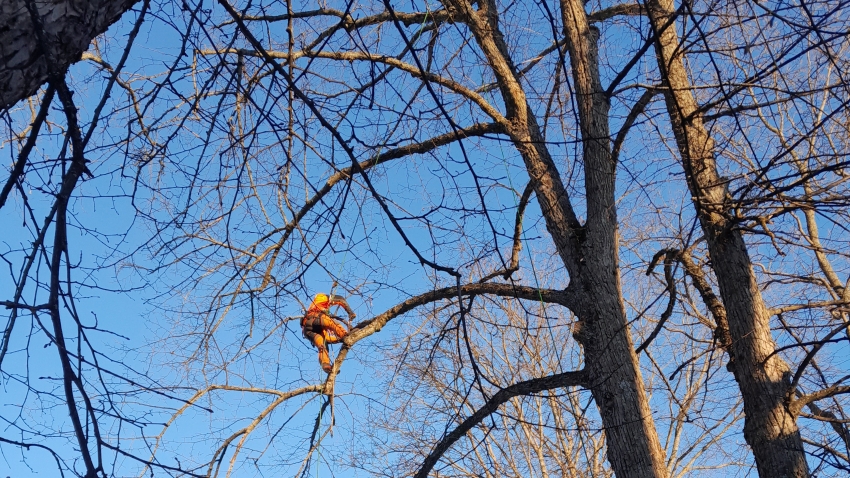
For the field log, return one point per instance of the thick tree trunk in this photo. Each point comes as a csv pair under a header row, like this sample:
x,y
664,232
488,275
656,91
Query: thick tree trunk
x,y
616,383
589,252
763,377
613,372
70,27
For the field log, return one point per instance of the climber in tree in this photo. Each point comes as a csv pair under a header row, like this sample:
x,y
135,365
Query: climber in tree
x,y
321,329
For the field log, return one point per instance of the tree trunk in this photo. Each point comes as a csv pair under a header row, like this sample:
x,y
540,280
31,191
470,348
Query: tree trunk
x,y
763,377
616,382
70,27
589,252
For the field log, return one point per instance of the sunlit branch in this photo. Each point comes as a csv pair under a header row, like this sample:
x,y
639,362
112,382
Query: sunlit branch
x,y
281,397
369,327
414,71
528,387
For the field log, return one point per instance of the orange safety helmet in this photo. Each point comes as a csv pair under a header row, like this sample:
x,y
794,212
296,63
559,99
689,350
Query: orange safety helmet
x,y
321,300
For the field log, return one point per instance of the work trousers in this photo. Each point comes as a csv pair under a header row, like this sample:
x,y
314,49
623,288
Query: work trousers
x,y
320,330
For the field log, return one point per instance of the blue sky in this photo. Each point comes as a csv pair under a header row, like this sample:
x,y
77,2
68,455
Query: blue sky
x,y
153,311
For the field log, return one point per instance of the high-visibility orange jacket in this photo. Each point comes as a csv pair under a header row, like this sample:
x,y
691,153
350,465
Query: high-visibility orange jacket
x,y
320,328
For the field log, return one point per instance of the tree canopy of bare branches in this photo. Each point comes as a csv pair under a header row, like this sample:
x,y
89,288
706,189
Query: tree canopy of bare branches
x,y
581,238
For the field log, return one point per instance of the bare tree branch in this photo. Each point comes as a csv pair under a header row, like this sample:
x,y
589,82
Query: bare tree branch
x,y
528,387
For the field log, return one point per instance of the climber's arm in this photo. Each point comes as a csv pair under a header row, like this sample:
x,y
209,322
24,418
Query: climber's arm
x,y
340,301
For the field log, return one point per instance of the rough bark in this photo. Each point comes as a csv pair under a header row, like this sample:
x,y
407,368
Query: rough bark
x,y
590,251
615,380
770,427
70,26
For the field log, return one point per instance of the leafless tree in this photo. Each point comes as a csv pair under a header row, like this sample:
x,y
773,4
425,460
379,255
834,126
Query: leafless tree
x,y
549,258
768,385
